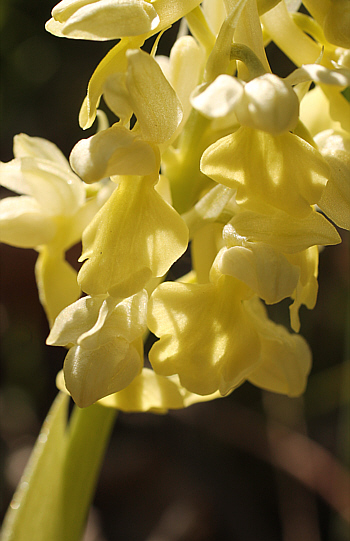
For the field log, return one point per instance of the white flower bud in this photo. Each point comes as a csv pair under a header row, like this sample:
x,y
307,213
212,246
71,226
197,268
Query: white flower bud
x,y
268,104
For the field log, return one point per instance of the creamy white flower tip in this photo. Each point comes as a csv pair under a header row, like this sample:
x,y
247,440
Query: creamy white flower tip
x,y
184,68
319,74
25,146
104,358
265,270
115,151
268,104
219,98
23,223
12,178
103,19
88,379
333,140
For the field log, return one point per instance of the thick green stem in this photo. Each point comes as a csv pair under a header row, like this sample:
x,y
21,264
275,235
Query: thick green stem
x,y
87,438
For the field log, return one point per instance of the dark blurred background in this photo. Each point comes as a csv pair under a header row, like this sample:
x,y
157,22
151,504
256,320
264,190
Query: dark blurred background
x,y
253,466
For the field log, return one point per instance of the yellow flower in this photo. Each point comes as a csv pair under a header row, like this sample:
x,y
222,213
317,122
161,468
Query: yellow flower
x,y
206,335
215,337
334,17
285,358
335,200
107,353
276,255
267,171
49,217
106,19
135,235
118,151
149,392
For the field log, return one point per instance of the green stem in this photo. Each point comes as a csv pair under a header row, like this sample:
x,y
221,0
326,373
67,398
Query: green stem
x,y
87,438
181,165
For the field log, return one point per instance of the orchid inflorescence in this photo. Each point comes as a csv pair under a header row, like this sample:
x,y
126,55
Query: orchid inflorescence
x,y
210,150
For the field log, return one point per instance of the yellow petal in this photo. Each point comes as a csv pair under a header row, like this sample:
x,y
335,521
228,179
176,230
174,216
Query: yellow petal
x,y
57,189
57,283
37,147
285,358
339,107
115,151
152,98
117,318
335,200
337,23
23,223
186,65
262,268
206,337
170,11
113,63
285,233
311,105
116,96
104,20
91,374
149,392
306,290
12,178
135,235
283,171
204,247
74,320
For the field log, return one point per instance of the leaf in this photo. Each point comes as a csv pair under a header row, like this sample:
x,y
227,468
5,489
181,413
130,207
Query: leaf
x,y
54,494
25,518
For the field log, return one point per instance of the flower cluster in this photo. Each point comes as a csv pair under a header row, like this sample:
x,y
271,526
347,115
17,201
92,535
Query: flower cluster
x,y
212,151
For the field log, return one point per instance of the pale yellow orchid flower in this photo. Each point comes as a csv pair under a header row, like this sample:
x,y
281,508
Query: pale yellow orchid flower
x,y
335,200
107,352
276,255
334,17
113,19
215,336
135,235
267,171
285,358
49,216
149,392
206,336
143,89
302,39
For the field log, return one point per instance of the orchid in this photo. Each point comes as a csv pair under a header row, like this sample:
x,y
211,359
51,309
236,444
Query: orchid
x,y
49,216
211,156
104,20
